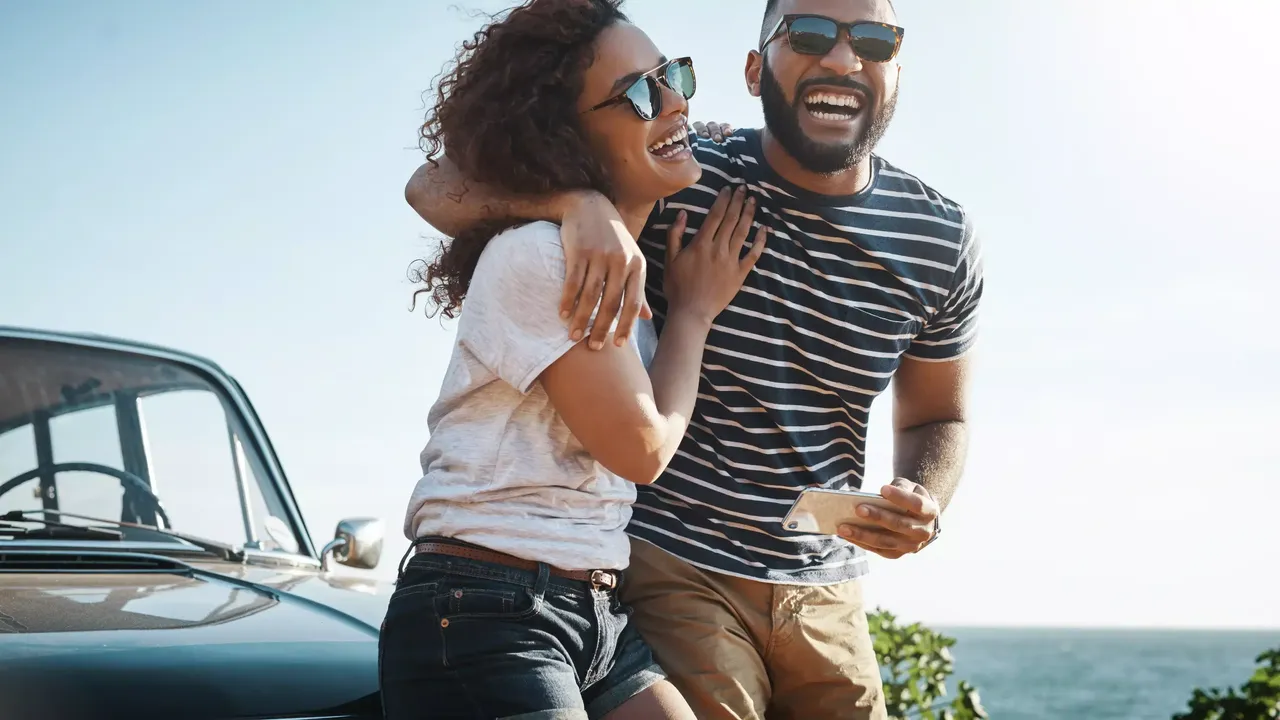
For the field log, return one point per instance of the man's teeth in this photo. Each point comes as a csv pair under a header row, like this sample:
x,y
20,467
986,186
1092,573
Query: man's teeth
x,y
849,101
660,148
829,106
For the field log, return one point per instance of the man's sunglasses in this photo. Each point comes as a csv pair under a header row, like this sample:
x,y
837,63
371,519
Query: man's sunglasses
x,y
816,35
644,94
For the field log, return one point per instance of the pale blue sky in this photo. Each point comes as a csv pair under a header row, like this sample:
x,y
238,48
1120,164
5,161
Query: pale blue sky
x,y
227,178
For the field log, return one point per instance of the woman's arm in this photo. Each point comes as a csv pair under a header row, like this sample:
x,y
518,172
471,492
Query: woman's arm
x,y
630,421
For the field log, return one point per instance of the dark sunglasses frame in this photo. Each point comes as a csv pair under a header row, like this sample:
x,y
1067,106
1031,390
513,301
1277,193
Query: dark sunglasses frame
x,y
653,77
842,28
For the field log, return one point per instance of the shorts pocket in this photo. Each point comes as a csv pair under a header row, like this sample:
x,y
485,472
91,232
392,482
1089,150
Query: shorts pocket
x,y
460,598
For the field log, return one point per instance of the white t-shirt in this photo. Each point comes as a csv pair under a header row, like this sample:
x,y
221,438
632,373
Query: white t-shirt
x,y
501,469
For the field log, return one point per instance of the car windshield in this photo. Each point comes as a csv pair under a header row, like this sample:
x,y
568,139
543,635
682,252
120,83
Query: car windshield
x,y
98,432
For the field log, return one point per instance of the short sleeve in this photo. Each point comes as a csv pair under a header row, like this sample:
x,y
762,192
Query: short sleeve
x,y
953,329
511,316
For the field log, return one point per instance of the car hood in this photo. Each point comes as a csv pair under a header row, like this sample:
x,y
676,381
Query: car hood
x,y
190,640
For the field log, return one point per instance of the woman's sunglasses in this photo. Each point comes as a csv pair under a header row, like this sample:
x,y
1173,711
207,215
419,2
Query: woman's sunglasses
x,y
644,94
816,35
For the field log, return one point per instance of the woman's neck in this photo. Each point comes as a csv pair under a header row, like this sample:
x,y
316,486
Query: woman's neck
x,y
634,216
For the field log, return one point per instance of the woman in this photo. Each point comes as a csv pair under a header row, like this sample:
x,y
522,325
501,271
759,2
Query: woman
x,y
509,607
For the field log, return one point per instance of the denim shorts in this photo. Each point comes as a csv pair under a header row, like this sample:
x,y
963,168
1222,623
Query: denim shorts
x,y
470,639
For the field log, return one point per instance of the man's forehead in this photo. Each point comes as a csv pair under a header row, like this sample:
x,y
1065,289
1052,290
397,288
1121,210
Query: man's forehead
x,y
846,10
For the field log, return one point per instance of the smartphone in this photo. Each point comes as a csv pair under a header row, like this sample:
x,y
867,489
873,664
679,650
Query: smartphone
x,y
823,511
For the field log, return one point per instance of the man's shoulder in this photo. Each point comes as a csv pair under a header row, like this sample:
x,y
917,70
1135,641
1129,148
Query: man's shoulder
x,y
901,187
730,159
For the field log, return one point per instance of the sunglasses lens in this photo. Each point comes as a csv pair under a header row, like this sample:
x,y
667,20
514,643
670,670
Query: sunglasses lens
x,y
680,78
875,43
812,36
644,98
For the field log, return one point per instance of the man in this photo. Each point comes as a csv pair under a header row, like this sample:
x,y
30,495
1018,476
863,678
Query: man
x,y
871,276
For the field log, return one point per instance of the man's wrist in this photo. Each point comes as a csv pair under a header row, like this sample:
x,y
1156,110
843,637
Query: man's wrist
x,y
937,530
566,203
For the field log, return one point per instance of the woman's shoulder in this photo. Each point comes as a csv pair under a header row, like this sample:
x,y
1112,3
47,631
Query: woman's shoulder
x,y
522,254
536,235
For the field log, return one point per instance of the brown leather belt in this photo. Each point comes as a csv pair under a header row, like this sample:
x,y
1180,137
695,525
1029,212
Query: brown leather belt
x,y
607,579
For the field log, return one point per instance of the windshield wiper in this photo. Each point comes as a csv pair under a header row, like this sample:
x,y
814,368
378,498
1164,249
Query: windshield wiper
x,y
226,552
58,531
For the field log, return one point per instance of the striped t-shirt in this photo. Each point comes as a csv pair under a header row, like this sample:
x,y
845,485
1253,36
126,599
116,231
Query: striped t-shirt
x,y
846,287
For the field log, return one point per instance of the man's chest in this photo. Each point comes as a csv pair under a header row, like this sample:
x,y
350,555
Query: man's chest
x,y
827,312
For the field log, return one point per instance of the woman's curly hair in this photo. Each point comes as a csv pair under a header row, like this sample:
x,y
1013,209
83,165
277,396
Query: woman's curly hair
x,y
506,115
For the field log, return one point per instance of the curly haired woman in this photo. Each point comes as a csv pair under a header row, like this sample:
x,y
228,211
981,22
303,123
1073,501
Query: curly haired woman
x,y
508,604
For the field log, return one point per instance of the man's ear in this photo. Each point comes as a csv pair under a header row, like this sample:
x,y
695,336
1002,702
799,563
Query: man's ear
x,y
755,66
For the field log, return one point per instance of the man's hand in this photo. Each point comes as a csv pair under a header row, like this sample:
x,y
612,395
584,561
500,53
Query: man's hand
x,y
900,532
713,130
603,265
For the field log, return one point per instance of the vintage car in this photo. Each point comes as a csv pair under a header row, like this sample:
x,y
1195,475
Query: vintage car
x,y
153,560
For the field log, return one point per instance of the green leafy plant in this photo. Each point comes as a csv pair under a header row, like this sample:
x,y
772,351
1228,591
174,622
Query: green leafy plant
x,y
1257,699
915,664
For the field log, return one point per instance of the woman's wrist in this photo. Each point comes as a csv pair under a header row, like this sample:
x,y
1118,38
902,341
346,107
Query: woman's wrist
x,y
689,318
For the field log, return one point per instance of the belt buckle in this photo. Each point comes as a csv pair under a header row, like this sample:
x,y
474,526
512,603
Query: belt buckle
x,y
603,579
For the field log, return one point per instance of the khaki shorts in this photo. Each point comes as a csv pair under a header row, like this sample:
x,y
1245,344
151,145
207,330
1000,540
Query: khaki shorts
x,y
742,649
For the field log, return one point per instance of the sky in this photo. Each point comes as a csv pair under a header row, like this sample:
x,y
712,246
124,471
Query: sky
x,y
227,178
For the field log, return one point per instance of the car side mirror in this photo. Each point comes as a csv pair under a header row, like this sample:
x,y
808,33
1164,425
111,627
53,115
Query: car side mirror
x,y
357,543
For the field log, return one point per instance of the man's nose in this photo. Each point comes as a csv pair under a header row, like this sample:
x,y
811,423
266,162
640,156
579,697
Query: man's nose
x,y
842,60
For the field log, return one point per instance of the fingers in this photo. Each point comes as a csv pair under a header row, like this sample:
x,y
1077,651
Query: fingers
x,y
733,215
742,229
675,235
592,288
879,541
757,249
572,282
713,130
610,302
913,529
911,497
715,217
633,304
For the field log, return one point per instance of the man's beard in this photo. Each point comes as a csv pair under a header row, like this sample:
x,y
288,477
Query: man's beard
x,y
783,121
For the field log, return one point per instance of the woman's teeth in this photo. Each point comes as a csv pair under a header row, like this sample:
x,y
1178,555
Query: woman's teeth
x,y
672,146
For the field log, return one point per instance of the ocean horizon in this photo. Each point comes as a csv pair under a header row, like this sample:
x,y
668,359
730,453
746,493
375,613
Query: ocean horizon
x,y
1102,673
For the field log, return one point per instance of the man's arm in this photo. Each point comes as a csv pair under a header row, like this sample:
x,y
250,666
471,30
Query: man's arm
x,y
930,434
931,437
604,265
452,203
930,442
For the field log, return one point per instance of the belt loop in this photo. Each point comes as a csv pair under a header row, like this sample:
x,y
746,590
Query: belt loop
x,y
540,585
413,545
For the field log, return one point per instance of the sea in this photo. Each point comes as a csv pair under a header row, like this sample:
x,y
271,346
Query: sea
x,y
1029,674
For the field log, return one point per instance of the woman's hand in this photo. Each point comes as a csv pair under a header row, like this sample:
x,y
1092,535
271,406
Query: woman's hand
x,y
701,279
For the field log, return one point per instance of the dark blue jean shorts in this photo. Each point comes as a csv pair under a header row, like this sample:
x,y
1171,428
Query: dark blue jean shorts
x,y
471,639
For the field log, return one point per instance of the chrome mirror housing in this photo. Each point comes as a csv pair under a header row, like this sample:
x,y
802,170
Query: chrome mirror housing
x,y
357,543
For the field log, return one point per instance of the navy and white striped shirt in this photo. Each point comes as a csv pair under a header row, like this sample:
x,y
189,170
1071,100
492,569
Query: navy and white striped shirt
x,y
846,287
